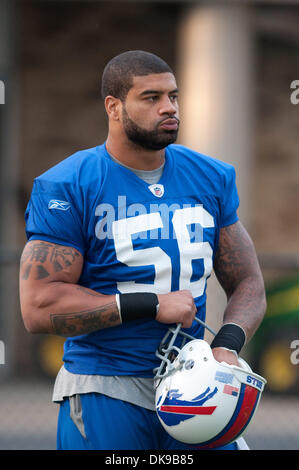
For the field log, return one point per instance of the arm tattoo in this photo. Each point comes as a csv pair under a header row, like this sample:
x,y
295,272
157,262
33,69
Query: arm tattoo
x,y
86,321
235,257
59,257
237,269
42,260
26,272
90,292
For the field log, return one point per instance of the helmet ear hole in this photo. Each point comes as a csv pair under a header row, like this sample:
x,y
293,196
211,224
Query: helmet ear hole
x,y
189,364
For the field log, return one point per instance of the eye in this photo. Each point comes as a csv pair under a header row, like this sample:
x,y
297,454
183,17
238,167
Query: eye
x,y
152,98
173,98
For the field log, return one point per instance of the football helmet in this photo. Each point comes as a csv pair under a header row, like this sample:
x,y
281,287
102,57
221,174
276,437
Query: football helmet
x,y
200,401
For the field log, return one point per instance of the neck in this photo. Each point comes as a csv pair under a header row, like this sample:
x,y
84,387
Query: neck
x,y
133,155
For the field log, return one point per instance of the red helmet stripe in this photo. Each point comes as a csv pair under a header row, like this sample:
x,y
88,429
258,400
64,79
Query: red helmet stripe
x,y
247,402
189,410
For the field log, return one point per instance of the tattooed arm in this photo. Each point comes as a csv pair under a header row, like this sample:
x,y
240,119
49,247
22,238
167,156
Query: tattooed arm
x,y
237,269
52,301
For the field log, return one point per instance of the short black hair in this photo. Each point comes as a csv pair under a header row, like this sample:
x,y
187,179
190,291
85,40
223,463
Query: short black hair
x,y
117,78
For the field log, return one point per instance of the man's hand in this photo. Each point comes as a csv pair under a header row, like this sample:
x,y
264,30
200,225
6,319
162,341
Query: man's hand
x,y
223,355
176,307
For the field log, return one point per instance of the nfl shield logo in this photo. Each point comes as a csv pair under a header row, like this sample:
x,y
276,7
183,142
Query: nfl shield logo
x,y
157,189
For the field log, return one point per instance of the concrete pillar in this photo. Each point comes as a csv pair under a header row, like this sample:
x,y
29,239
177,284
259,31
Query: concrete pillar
x,y
215,75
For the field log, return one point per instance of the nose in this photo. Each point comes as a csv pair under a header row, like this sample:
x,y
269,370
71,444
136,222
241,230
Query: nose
x,y
168,106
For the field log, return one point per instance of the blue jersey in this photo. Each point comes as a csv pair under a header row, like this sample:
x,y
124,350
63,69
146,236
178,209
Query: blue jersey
x,y
134,237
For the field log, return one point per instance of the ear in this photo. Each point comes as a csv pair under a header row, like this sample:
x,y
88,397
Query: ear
x,y
113,107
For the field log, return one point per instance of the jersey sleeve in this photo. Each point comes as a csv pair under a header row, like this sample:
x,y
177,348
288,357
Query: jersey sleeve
x,y
230,199
53,215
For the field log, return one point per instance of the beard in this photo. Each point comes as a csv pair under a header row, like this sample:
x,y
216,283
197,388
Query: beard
x,y
156,139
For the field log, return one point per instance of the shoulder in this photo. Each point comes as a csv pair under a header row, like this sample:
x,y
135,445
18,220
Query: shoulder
x,y
209,170
78,167
186,156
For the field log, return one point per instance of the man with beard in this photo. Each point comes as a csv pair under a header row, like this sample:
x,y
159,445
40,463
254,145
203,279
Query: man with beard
x,y
121,240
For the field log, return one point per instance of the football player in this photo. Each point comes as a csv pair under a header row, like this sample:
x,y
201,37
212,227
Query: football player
x,y
122,238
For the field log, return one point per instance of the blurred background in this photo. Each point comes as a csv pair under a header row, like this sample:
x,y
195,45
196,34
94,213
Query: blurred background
x,y
236,64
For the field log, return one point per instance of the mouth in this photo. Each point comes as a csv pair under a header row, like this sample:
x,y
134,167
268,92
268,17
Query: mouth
x,y
170,124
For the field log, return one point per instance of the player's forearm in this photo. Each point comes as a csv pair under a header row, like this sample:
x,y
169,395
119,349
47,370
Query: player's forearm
x,y
247,305
68,310
238,271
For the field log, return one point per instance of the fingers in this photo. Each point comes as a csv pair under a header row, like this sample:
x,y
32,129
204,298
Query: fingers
x,y
189,311
177,307
225,355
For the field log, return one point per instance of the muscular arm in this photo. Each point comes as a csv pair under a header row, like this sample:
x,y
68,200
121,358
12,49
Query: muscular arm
x,y
52,301
237,269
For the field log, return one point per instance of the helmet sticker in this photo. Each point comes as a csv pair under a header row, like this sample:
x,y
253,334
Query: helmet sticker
x,y
224,377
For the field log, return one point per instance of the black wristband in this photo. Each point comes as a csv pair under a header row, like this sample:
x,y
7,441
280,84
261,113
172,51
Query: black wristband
x,y
230,336
138,305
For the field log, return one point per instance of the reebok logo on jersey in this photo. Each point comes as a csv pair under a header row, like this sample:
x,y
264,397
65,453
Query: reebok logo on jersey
x,y
157,189
60,205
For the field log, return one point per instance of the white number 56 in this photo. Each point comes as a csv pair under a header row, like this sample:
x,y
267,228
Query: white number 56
x,y
123,230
